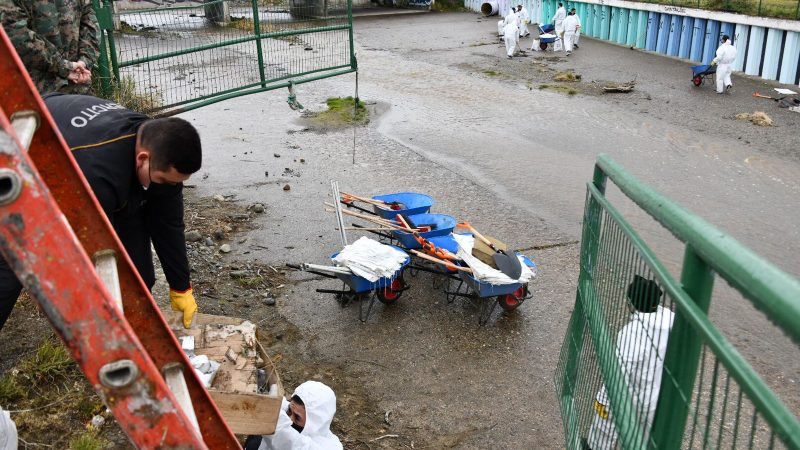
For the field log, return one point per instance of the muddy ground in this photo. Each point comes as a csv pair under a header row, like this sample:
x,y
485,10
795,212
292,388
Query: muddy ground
x,y
450,116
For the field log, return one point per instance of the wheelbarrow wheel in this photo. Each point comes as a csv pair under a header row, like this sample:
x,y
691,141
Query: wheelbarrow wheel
x,y
697,80
542,45
390,294
510,302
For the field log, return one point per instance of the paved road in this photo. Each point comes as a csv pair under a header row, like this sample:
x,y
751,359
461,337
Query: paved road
x,y
515,160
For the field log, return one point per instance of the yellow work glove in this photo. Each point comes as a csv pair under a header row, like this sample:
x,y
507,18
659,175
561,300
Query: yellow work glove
x,y
601,410
184,301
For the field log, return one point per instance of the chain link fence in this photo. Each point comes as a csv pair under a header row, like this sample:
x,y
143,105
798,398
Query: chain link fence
x,y
173,57
642,364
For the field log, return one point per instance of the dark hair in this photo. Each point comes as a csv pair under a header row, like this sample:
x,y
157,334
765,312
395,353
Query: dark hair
x,y
560,4
644,294
298,400
725,37
172,142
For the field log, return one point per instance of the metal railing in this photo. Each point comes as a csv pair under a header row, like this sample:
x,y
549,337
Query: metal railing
x,y
649,368
177,57
784,9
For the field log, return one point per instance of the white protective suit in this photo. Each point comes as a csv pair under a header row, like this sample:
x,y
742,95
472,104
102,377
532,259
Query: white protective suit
x,y
524,20
320,403
726,55
577,33
571,26
8,432
511,33
641,346
558,20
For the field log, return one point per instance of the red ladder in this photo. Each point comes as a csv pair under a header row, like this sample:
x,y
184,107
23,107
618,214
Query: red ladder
x,y
131,358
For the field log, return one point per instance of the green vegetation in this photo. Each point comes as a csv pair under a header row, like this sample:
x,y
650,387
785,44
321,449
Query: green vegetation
x,y
787,9
491,73
10,390
559,88
125,94
566,76
87,441
51,360
342,111
448,6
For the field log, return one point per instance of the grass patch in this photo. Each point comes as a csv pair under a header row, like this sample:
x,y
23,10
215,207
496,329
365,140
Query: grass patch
x,y
87,441
250,282
448,6
559,88
491,73
51,360
566,76
126,94
340,112
10,390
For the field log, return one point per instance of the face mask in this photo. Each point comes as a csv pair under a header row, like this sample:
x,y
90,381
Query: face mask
x,y
297,427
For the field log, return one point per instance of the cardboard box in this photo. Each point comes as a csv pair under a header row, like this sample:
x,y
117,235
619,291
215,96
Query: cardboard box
x,y
485,253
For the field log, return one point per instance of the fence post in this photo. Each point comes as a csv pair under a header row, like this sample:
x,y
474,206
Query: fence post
x,y
257,31
105,24
682,358
759,7
353,61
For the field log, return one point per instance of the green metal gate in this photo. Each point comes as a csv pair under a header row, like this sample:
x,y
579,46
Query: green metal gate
x,y
709,396
180,56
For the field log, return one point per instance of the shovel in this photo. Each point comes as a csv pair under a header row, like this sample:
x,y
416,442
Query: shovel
x,y
508,264
395,206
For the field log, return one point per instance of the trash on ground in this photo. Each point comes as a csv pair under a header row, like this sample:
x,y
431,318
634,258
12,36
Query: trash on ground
x,y
757,118
622,87
785,91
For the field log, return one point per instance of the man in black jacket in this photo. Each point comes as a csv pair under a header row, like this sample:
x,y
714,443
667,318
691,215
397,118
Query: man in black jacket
x,y
136,167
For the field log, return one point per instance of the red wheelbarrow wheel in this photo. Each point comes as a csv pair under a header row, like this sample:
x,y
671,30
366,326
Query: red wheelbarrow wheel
x,y
390,294
697,80
543,45
510,302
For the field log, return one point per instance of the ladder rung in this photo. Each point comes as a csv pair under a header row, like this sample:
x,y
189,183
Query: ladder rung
x,y
105,263
173,375
25,124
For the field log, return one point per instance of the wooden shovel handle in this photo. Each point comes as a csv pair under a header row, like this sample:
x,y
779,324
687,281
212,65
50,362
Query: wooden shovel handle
x,y
447,264
477,235
379,203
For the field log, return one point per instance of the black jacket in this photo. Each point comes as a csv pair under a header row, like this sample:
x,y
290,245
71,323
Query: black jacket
x,y
102,137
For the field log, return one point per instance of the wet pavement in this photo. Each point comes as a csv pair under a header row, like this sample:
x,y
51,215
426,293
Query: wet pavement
x,y
513,160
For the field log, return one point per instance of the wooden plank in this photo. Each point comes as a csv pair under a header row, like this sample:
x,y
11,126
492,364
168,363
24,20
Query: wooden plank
x,y
248,413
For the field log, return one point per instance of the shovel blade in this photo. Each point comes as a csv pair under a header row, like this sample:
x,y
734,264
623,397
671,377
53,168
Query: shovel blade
x,y
508,264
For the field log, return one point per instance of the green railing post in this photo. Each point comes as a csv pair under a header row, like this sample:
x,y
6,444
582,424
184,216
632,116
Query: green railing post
x,y
106,25
682,358
353,62
109,4
257,31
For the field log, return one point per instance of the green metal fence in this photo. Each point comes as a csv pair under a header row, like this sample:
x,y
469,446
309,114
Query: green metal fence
x,y
626,378
180,56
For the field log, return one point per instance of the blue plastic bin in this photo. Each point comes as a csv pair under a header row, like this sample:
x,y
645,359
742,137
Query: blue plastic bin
x,y
415,204
444,226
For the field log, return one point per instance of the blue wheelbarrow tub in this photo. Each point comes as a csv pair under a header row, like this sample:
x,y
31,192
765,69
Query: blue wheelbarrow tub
x,y
446,242
704,69
415,204
360,284
546,28
484,290
444,225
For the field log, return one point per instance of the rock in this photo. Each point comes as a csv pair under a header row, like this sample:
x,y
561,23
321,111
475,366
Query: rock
x,y
219,234
258,208
193,236
239,273
266,174
225,248
287,187
209,242
276,155
269,301
219,198
279,336
98,421
302,160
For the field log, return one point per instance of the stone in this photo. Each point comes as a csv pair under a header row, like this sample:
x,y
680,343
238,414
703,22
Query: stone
x,y
258,208
219,198
219,234
287,187
193,236
276,155
225,248
239,273
269,301
209,242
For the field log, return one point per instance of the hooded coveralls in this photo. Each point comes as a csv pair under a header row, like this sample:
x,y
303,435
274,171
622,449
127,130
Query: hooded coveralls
x,y
571,26
511,33
558,21
641,346
726,55
320,403
524,19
